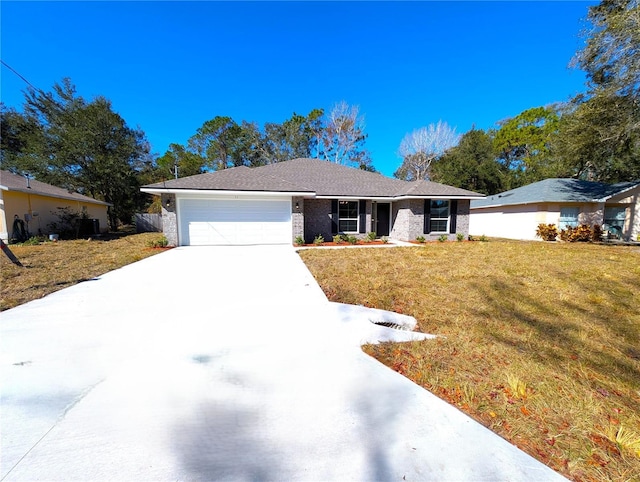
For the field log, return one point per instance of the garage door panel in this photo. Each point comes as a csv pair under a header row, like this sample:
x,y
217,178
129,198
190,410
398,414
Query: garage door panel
x,y
228,222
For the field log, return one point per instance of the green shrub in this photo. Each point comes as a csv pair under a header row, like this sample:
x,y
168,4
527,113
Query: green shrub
x,y
371,236
318,240
459,237
351,239
385,239
338,239
442,238
299,241
596,233
483,239
420,239
547,232
161,242
32,241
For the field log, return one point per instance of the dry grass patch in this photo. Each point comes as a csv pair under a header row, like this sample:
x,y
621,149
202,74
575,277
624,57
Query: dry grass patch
x,y
49,267
541,342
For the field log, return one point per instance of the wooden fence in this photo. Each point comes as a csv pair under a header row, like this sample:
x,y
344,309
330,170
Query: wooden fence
x,y
148,223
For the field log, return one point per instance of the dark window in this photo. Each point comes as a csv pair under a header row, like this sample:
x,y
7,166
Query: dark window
x,y
439,216
348,216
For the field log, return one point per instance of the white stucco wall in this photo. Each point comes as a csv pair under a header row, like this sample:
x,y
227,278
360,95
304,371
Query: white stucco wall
x,y
512,222
521,222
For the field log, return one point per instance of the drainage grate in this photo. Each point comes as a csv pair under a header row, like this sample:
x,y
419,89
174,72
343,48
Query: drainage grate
x,y
388,324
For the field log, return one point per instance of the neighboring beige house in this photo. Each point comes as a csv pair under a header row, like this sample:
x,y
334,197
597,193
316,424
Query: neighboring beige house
x,y
37,203
516,214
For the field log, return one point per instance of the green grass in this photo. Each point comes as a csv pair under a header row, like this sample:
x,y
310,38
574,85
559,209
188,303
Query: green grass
x,y
540,342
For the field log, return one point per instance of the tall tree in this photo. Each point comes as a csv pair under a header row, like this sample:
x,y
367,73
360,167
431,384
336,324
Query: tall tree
x,y
294,138
18,134
472,165
83,146
611,56
177,161
341,139
219,142
523,144
594,140
600,134
421,147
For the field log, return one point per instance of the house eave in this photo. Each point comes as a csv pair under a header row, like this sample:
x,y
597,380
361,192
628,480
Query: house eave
x,y
395,198
225,192
500,205
622,191
56,196
439,196
527,203
357,198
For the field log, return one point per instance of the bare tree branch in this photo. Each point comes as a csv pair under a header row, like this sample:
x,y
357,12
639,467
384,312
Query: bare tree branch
x,y
419,148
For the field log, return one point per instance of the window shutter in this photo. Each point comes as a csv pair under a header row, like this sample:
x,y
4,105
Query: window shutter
x,y
362,211
453,215
427,216
334,216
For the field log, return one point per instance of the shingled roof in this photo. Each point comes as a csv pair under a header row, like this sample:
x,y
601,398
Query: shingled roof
x,y
15,183
556,190
313,176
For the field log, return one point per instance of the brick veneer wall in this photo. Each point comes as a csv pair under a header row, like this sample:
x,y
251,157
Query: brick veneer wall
x,y
408,220
317,219
462,222
169,219
313,217
297,218
407,217
464,209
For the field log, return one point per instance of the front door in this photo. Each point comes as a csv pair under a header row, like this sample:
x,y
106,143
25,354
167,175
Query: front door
x,y
383,219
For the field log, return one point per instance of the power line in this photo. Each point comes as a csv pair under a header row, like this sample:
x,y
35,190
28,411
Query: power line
x,y
16,72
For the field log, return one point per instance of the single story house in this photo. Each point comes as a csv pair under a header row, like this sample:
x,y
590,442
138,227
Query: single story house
x,y
37,205
516,214
276,203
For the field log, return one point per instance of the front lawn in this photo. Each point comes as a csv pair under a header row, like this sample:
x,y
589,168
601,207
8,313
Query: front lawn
x,y
49,266
540,341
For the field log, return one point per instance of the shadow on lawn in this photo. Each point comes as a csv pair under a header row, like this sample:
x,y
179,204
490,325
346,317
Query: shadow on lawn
x,y
563,338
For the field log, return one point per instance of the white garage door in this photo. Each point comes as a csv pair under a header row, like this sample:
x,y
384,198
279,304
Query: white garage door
x,y
205,222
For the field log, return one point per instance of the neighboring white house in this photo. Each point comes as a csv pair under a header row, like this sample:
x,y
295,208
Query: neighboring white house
x,y
516,214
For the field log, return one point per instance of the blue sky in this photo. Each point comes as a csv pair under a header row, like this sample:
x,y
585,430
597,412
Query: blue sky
x,y
169,66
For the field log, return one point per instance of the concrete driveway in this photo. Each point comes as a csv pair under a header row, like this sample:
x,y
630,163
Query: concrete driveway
x,y
221,364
